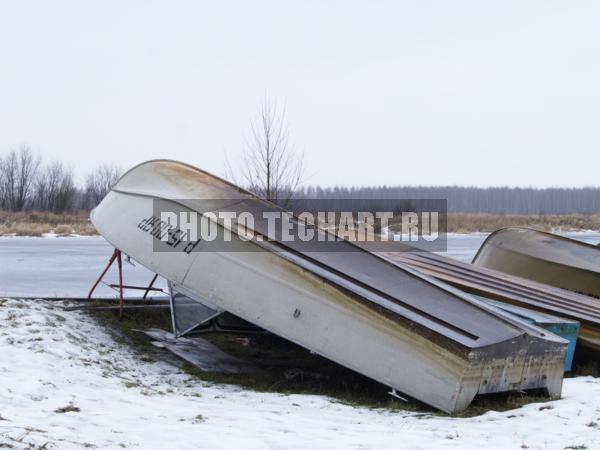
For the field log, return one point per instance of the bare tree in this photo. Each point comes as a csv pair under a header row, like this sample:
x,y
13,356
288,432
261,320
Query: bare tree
x,y
18,170
272,168
99,182
4,182
54,188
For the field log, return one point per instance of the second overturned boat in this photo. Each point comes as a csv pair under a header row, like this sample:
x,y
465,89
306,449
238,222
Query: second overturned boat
x,y
543,257
390,323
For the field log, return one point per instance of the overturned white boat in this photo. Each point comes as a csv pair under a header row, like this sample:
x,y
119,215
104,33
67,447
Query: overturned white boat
x,y
388,322
543,257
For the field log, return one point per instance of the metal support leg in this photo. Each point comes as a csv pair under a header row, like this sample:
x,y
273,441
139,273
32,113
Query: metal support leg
x,y
150,286
120,265
110,262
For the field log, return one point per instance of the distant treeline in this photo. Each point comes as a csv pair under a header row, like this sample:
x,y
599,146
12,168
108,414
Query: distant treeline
x,y
495,200
28,183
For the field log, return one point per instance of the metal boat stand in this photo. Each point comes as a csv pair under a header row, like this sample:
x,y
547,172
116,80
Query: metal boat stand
x,y
117,256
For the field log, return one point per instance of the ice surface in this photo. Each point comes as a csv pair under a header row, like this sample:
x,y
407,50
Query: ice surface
x,y
65,266
68,266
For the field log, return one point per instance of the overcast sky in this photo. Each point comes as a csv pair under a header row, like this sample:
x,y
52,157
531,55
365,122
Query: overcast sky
x,y
424,92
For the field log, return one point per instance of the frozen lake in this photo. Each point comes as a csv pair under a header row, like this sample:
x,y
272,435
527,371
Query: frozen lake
x,y
56,267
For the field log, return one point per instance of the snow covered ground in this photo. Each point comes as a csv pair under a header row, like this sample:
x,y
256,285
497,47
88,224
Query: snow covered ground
x,y
65,383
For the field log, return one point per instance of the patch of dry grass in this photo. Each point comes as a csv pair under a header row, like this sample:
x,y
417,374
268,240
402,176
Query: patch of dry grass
x,y
468,223
36,223
69,408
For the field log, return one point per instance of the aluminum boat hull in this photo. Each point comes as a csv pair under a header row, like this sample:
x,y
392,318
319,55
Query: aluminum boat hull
x,y
394,325
543,257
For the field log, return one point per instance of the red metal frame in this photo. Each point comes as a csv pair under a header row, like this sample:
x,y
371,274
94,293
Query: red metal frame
x,y
120,265
110,262
118,257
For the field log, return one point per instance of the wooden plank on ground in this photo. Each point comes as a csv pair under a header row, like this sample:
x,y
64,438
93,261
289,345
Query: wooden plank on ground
x,y
199,352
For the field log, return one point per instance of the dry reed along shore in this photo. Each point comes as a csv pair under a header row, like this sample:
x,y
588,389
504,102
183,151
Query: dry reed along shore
x,y
36,223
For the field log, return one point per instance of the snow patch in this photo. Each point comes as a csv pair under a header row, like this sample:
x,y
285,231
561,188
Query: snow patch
x,y
66,382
